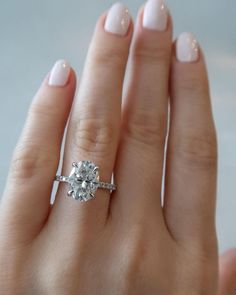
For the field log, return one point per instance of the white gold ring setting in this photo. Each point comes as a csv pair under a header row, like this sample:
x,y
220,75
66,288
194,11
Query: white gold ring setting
x,y
84,181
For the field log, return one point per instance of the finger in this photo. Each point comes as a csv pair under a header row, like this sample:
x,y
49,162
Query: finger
x,y
93,130
228,273
140,159
26,200
190,186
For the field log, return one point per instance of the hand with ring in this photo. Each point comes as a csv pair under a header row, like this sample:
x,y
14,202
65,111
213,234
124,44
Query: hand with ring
x,y
134,212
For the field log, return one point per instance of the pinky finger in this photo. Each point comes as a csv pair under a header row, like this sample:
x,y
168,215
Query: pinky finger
x,y
228,273
26,200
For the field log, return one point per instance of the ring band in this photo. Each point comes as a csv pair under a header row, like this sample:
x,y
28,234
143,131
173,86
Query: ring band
x,y
84,181
104,185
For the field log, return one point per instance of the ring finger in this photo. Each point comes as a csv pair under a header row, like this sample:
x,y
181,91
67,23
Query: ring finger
x,y
93,131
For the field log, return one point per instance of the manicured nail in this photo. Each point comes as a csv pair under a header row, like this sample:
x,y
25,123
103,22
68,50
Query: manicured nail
x,y
155,15
187,49
118,19
59,74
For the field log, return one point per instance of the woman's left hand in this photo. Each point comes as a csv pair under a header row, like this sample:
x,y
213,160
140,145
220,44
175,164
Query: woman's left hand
x,y
127,242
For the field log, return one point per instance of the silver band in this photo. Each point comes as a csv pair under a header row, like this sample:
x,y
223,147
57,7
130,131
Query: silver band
x,y
103,185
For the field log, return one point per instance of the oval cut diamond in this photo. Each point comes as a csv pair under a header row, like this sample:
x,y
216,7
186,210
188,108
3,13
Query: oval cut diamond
x,y
83,180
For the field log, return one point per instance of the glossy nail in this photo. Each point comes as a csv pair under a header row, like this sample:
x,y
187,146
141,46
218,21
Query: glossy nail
x,y
118,19
187,49
59,74
155,15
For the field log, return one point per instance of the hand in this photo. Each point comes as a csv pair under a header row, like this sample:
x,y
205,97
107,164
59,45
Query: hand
x,y
127,242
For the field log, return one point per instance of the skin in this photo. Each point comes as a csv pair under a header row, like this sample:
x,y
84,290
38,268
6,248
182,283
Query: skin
x,y
126,243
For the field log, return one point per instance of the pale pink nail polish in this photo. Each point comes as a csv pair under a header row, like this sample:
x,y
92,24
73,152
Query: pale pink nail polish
x,y
59,74
187,49
155,15
118,19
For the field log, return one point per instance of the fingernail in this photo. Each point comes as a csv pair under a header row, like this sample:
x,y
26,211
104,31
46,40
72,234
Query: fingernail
x,y
59,74
155,15
118,19
187,49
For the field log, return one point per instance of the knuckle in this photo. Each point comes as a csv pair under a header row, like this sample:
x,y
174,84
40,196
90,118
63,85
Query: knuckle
x,y
109,56
147,130
28,159
144,52
194,85
94,136
46,110
197,149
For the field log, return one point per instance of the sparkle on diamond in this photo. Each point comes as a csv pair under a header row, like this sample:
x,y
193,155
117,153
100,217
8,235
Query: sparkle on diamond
x,y
83,181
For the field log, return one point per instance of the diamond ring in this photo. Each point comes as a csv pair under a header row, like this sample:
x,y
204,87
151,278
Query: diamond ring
x,y
84,181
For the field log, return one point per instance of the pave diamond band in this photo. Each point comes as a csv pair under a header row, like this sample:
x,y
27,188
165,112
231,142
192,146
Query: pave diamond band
x,y
84,181
104,185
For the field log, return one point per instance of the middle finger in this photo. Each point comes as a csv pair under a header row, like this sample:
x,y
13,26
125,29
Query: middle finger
x,y
145,116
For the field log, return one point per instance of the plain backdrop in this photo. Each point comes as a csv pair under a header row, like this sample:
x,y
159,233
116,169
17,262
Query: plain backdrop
x,y
36,33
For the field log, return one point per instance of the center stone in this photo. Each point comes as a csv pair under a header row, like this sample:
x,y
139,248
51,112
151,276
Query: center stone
x,y
83,181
